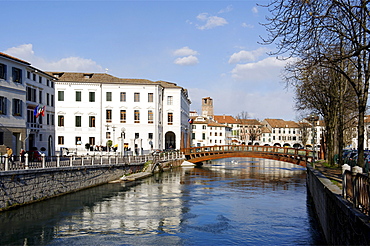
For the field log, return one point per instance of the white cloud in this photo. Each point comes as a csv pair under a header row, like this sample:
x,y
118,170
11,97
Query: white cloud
x,y
24,51
247,55
185,51
187,60
247,25
68,64
211,21
266,69
255,10
75,64
226,10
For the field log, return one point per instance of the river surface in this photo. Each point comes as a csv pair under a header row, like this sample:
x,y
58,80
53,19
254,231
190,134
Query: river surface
x,y
234,201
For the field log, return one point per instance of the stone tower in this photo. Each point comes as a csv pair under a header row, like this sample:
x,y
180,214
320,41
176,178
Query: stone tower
x,y
207,107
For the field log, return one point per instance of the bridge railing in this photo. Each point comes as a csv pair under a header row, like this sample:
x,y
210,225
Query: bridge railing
x,y
249,148
24,162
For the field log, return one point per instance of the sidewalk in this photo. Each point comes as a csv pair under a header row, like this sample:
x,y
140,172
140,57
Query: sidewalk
x,y
334,173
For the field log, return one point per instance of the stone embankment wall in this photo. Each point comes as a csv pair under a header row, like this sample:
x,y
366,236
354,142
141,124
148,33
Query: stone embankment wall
x,y
25,186
341,223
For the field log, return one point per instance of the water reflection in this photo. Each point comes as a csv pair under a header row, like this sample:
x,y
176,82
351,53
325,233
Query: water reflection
x,y
230,201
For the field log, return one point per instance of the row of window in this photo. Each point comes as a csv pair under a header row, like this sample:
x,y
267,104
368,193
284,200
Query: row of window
x,y
289,138
16,73
16,106
204,137
31,118
18,78
283,131
108,97
31,96
34,76
92,139
92,119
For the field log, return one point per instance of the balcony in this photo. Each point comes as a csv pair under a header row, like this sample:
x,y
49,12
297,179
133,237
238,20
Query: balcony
x,y
34,126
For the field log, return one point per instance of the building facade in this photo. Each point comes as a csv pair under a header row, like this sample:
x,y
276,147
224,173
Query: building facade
x,y
206,132
98,110
26,107
12,103
40,100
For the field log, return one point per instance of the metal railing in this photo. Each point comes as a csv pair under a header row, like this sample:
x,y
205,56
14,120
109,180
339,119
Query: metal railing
x,y
27,162
356,188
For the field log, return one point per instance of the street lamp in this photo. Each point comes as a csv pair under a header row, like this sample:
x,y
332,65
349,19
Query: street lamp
x,y
114,134
313,118
123,133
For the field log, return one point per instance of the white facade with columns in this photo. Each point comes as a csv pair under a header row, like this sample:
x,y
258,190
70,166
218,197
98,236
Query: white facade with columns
x,y
134,114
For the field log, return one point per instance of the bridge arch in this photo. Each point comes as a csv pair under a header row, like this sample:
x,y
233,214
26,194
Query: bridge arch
x,y
292,155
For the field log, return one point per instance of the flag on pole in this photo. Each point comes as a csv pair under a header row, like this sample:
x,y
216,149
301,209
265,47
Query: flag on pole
x,y
36,110
43,111
39,111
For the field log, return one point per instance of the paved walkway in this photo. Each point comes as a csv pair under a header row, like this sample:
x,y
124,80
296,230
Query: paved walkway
x,y
334,173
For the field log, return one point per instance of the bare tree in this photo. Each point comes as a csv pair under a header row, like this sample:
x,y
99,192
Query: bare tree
x,y
242,119
324,91
328,33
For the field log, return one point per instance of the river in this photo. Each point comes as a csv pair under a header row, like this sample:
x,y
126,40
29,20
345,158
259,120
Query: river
x,y
234,201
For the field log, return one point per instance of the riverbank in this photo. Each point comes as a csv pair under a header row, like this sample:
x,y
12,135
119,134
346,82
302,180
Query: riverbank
x,y
341,223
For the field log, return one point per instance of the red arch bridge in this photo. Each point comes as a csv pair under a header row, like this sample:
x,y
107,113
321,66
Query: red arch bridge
x,y
296,156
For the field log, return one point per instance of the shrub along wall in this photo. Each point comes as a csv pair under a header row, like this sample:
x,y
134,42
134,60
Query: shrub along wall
x,y
25,186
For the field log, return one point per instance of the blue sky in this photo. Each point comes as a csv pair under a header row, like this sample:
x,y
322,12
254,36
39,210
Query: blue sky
x,y
208,47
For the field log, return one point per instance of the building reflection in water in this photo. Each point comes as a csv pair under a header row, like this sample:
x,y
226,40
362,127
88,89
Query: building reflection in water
x,y
114,212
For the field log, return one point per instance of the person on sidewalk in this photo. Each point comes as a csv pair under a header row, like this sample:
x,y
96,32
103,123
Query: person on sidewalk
x,y
9,153
21,154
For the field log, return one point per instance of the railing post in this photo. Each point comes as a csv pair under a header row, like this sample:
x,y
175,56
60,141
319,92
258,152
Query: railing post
x,y
7,163
43,160
82,160
92,160
26,161
58,160
101,160
70,161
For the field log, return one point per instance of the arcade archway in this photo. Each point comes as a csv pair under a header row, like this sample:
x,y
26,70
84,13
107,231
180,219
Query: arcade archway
x,y
170,140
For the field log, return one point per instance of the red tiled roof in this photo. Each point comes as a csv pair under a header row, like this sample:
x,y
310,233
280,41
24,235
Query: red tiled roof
x,y
14,58
104,78
225,119
279,123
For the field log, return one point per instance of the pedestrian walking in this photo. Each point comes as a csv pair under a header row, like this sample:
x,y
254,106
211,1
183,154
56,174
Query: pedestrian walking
x,y
9,153
21,154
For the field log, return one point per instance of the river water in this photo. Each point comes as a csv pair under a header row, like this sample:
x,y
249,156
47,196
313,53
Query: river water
x,y
234,201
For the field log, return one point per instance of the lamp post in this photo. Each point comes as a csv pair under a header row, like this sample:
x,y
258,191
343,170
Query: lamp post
x,y
123,133
313,118
114,134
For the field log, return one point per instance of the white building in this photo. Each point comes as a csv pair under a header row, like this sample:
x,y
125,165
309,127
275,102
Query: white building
x,y
40,111
206,132
281,133
12,103
131,114
22,89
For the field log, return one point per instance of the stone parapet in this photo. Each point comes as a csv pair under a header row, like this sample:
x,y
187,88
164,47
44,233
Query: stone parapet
x,y
26,186
341,223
